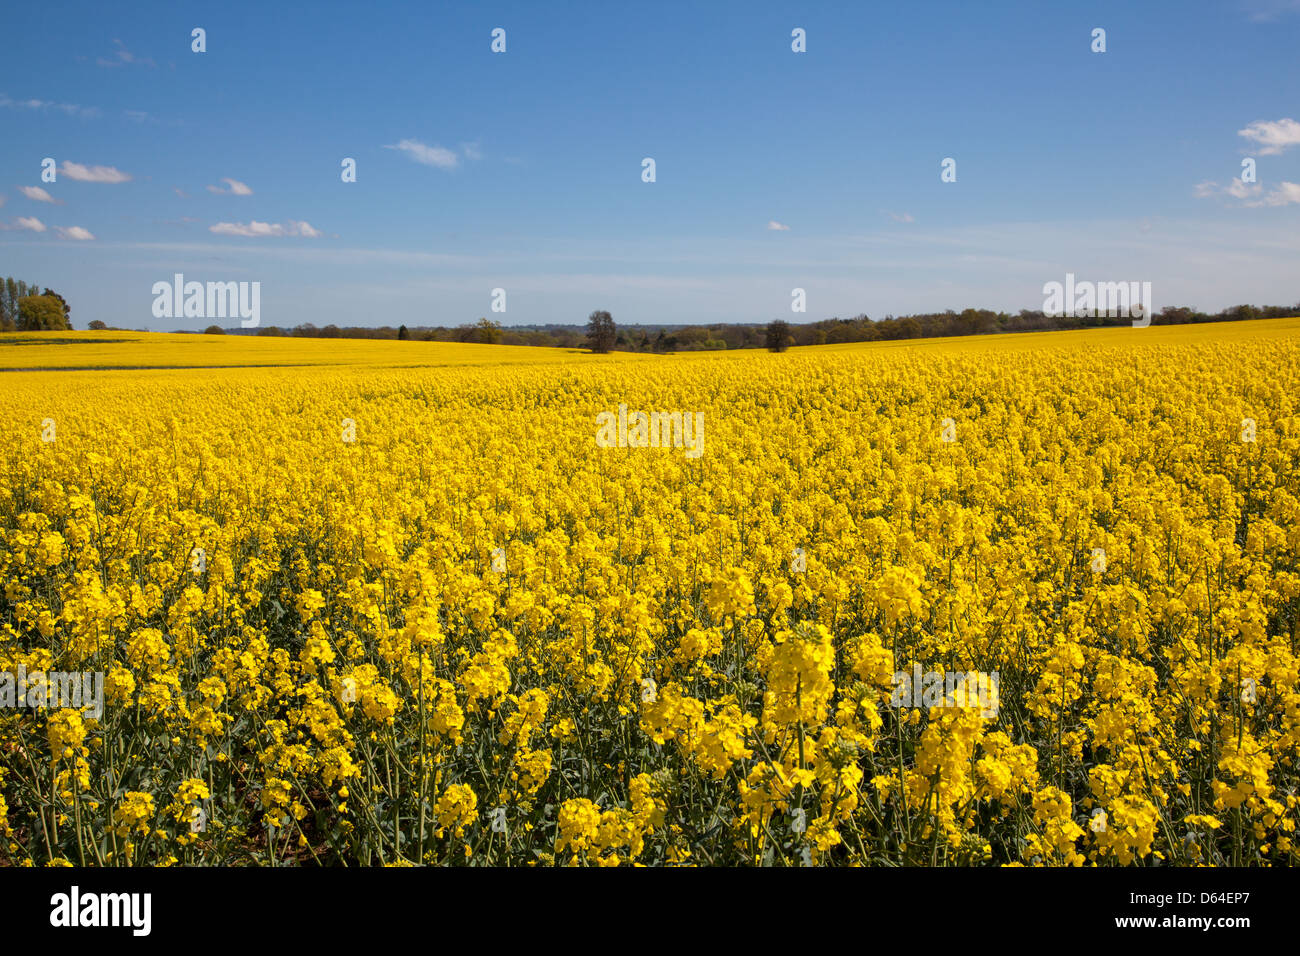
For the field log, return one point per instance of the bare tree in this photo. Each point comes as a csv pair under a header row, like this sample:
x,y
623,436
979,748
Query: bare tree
x,y
778,335
601,332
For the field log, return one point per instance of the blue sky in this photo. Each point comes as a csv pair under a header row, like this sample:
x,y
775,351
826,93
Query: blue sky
x,y
522,170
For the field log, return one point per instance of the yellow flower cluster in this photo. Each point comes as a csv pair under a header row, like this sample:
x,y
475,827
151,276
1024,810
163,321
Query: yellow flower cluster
x,y
403,608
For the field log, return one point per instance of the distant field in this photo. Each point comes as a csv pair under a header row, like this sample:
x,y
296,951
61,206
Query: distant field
x,y
395,602
135,350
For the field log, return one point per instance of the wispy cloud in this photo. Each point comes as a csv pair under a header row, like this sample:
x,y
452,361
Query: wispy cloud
x,y
1205,263
900,216
1284,195
1238,189
1266,11
73,232
435,155
1252,195
72,109
260,230
37,194
94,174
122,57
235,188
774,226
143,117
1273,137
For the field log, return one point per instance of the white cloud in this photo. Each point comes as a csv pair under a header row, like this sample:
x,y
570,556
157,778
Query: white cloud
x,y
471,150
72,109
29,222
94,174
428,155
236,188
901,216
73,232
1252,194
1284,195
37,194
1240,190
1273,137
775,226
257,229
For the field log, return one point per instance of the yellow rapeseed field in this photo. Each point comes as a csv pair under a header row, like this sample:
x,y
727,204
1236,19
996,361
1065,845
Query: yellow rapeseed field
x,y
401,602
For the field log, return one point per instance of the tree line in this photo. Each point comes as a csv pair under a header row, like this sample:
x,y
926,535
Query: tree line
x,y
780,334
603,335
24,309
638,338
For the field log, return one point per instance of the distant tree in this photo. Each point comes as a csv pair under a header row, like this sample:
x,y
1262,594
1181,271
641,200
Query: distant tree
x,y
11,292
601,331
41,313
214,330
487,332
67,312
778,337
402,334
272,330
97,326
305,331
